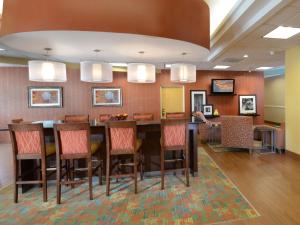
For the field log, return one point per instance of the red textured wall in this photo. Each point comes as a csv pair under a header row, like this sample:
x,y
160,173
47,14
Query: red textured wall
x,y
136,97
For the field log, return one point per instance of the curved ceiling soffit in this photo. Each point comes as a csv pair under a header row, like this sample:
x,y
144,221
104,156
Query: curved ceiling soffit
x,y
184,20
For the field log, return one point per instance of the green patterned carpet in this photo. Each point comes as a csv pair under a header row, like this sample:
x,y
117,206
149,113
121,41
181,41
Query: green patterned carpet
x,y
212,198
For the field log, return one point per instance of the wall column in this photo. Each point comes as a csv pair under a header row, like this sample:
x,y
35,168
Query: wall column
x,y
292,99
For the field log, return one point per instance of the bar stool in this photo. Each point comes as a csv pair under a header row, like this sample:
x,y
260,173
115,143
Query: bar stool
x,y
175,115
121,140
143,116
28,143
95,143
174,137
76,118
72,143
18,120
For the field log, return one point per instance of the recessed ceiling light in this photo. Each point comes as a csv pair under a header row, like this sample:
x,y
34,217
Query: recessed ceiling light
x,y
264,68
282,32
245,56
221,67
2,49
119,64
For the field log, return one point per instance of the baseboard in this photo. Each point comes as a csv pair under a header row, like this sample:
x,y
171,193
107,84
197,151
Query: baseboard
x,y
293,154
272,123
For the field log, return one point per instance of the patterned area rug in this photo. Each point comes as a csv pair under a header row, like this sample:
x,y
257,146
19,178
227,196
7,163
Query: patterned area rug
x,y
212,198
218,148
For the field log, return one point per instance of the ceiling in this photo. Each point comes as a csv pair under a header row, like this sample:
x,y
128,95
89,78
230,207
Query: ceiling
x,y
239,33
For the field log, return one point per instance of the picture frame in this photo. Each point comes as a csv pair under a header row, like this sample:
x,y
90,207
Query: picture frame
x,y
222,86
45,97
106,96
208,110
198,98
247,104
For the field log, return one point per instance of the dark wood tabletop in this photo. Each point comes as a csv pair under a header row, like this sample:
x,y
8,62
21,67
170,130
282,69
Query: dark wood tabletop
x,y
93,123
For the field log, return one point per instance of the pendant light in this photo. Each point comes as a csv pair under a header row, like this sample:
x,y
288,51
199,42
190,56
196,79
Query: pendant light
x,y
96,72
141,72
183,73
47,71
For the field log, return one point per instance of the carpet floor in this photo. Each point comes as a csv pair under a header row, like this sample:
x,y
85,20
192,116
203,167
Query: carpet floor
x,y
212,198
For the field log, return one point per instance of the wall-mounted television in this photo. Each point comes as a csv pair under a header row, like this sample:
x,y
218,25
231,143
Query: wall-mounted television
x,y
222,86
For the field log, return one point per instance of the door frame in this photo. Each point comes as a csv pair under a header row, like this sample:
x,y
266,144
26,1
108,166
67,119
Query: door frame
x,y
183,96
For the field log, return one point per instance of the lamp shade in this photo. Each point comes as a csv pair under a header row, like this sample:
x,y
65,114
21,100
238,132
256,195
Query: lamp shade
x,y
47,71
96,72
141,73
184,73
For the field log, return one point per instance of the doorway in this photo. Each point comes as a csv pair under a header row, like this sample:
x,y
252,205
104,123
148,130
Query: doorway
x,y
171,100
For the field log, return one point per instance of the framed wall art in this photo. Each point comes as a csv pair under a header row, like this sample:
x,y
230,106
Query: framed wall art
x,y
208,110
45,97
105,96
198,99
247,105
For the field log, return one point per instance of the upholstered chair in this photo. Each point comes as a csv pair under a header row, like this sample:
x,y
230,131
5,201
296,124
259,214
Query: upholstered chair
x,y
18,120
174,138
175,115
143,116
237,132
280,137
121,141
76,118
28,142
73,143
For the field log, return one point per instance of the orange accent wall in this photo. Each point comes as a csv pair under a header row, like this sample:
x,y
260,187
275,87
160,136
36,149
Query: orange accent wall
x,y
136,97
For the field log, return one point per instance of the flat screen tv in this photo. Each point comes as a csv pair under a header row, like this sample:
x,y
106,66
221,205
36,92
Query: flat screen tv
x,y
222,86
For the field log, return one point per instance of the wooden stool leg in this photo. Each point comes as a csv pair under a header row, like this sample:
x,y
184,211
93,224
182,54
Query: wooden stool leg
x,y
90,177
135,172
187,168
141,165
39,174
72,171
16,174
44,179
100,169
107,175
58,181
162,168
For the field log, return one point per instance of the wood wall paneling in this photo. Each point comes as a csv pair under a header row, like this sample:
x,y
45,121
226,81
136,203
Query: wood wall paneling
x,y
136,97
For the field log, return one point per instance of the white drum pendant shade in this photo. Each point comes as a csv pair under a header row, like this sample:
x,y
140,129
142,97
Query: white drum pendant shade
x,y
183,73
96,72
141,73
47,71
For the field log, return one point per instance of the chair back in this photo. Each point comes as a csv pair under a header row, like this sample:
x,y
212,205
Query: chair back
x,y
72,139
18,120
120,137
77,118
174,134
104,117
143,116
175,115
27,139
237,131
